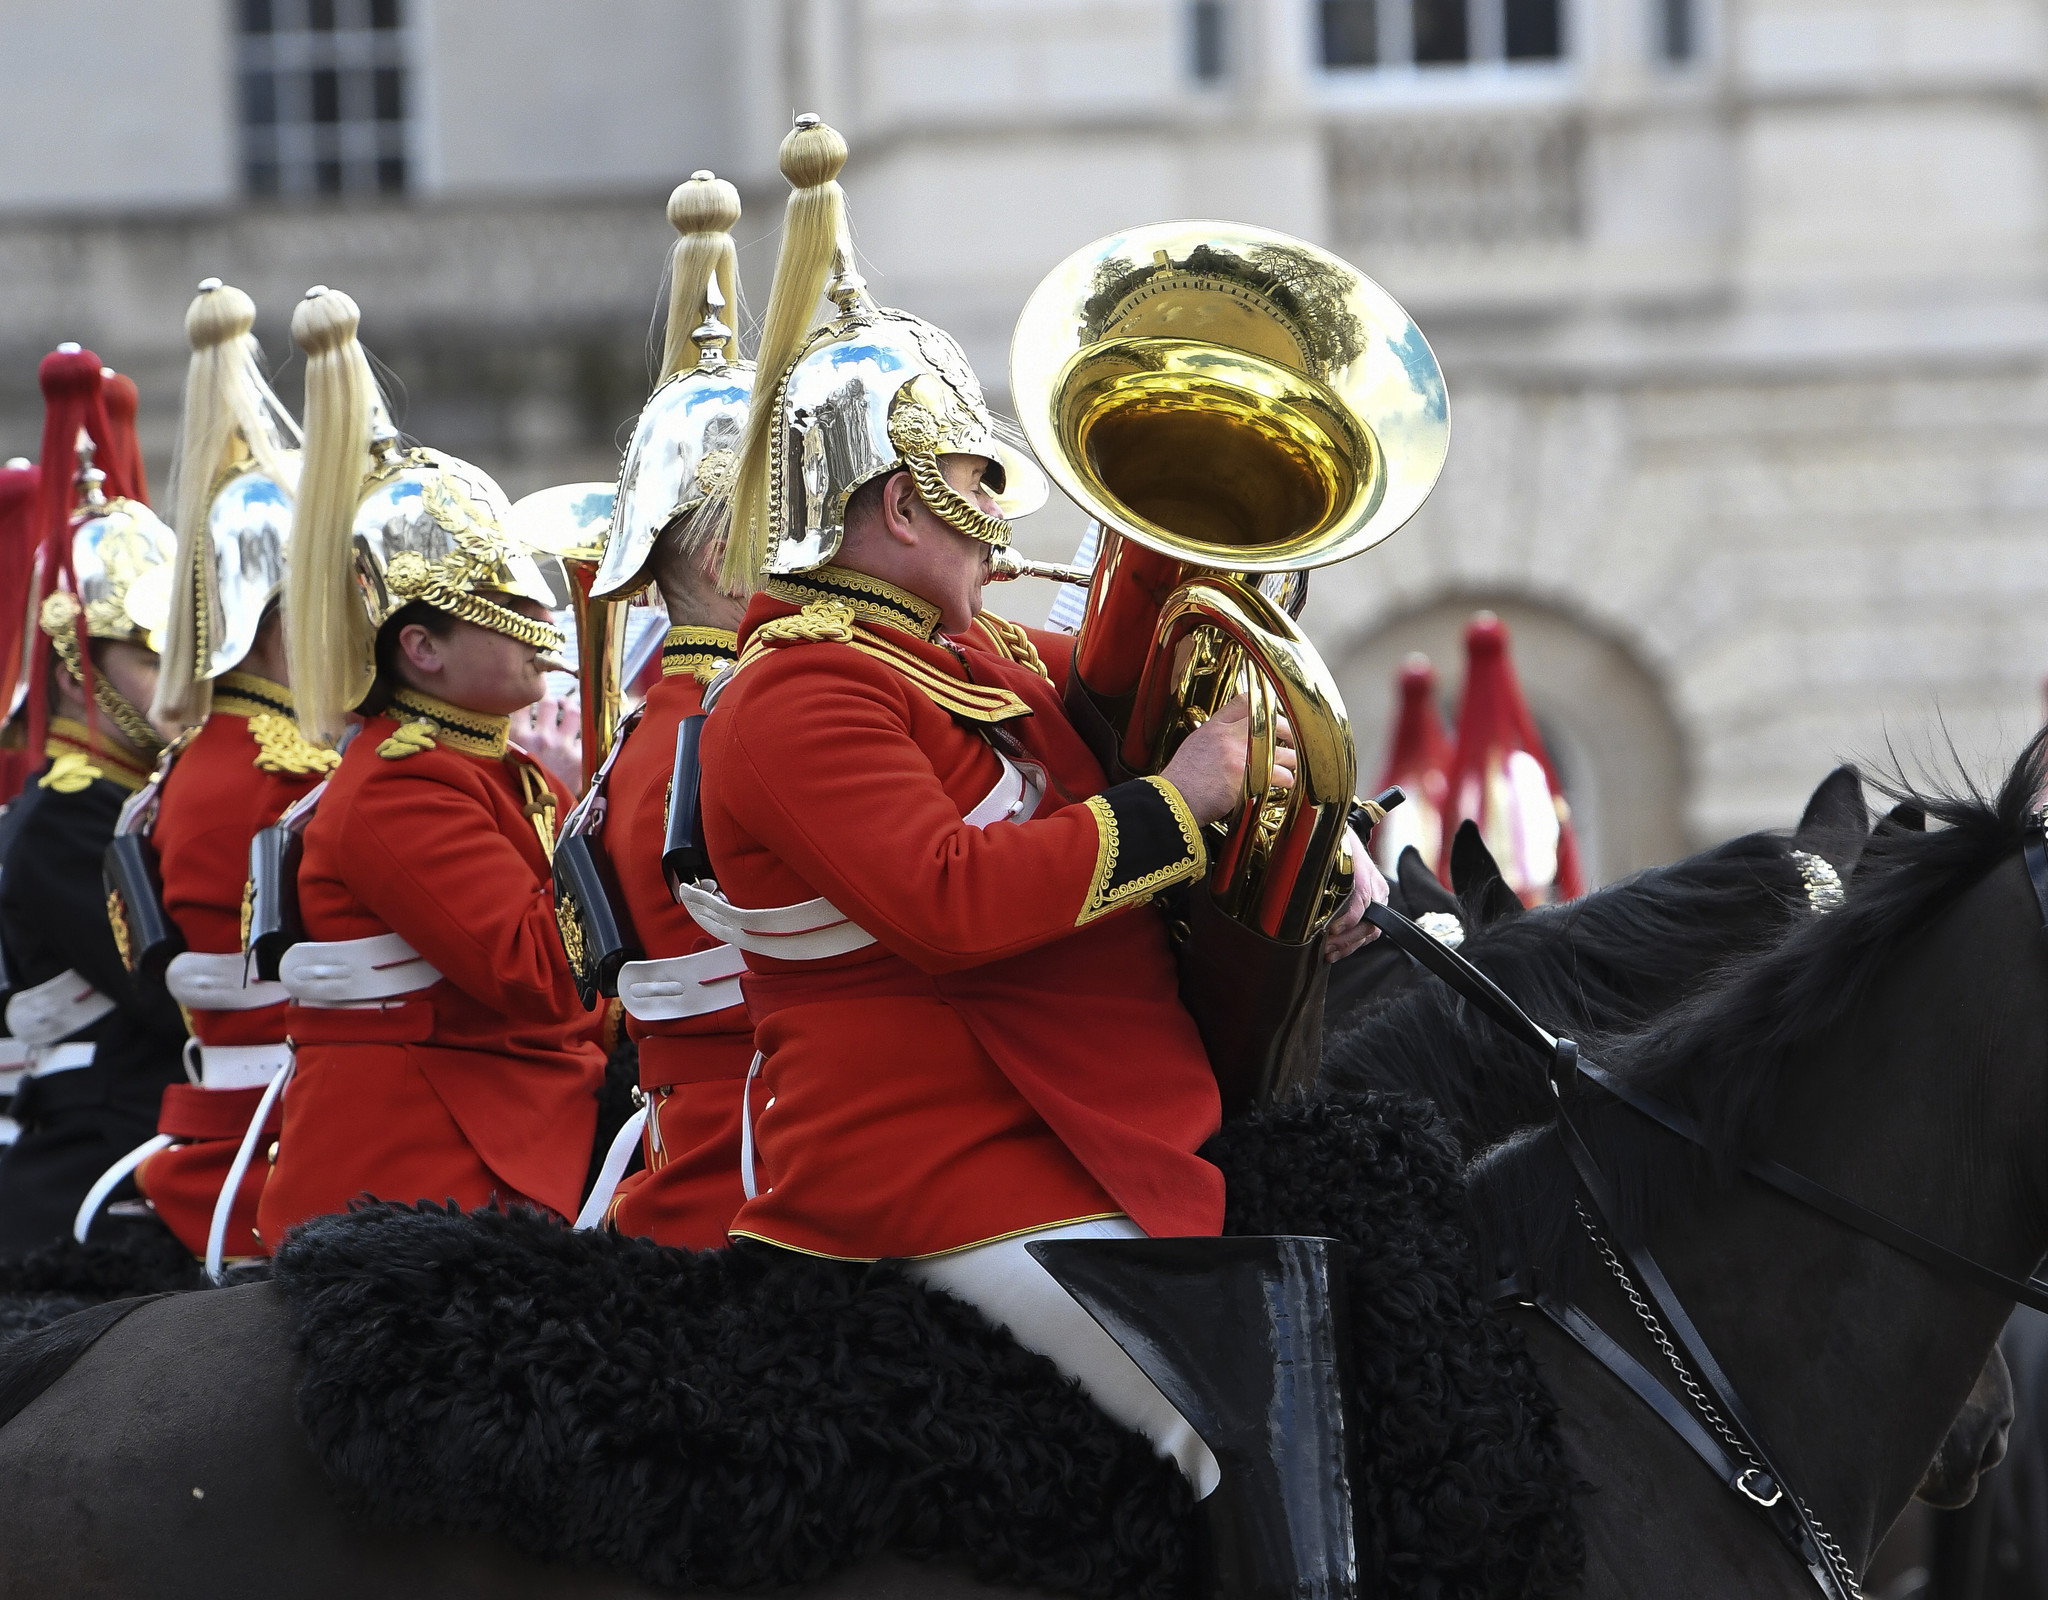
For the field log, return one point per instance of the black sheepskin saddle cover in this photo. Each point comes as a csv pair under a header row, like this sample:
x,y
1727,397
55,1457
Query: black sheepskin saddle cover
x,y
735,1419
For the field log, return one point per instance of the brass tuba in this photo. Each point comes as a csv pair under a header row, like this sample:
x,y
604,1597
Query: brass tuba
x,y
1233,406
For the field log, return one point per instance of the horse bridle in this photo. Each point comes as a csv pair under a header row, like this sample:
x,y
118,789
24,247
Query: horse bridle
x,y
1723,1434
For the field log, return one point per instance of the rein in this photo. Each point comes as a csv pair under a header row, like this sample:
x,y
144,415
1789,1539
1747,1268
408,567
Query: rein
x,y
1738,1457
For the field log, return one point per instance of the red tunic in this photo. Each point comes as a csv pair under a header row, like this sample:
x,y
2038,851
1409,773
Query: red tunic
x,y
693,1069
1011,1053
482,1086
234,777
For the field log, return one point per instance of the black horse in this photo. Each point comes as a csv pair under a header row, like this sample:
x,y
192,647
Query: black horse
x,y
1892,1051
221,1454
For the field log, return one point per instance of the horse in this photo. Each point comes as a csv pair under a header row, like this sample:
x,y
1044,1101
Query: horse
x,y
1893,1051
229,1456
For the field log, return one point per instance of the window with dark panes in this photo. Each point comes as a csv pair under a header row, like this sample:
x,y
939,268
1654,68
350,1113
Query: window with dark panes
x,y
323,96
1208,40
1436,33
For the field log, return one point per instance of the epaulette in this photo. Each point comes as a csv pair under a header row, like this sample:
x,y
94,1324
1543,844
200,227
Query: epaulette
x,y
280,747
1012,642
409,740
829,622
69,773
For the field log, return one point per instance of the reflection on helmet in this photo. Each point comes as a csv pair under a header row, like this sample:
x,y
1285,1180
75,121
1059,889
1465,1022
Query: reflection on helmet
x,y
685,451
431,527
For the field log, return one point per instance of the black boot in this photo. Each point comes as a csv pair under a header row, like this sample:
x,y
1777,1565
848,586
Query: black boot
x,y
1245,1338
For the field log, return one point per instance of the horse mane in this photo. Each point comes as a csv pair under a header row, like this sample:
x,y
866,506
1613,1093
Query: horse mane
x,y
1611,959
1720,1053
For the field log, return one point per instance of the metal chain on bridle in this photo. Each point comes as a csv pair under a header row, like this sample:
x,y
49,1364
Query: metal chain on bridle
x,y
1837,1562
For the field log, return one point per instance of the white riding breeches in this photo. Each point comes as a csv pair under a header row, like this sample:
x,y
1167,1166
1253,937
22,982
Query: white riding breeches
x,y
1008,1287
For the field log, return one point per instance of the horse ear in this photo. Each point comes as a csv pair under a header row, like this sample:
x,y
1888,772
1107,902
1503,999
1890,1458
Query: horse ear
x,y
1836,821
1477,878
1905,817
1420,891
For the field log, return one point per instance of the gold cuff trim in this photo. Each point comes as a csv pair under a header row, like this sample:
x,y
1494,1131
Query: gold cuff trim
x,y
474,733
869,599
1129,868
1012,642
703,653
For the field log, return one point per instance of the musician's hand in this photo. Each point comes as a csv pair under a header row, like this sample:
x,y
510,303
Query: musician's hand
x,y
1349,929
1208,768
551,731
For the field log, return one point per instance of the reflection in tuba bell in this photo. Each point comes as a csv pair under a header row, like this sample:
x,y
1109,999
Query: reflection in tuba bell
x,y
1233,406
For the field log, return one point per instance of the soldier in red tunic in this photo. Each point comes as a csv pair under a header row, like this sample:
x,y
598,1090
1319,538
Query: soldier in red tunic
x,y
242,763
682,1002
968,1019
440,1051
100,1048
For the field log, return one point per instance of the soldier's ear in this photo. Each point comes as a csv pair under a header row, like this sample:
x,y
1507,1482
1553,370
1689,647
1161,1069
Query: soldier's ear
x,y
899,503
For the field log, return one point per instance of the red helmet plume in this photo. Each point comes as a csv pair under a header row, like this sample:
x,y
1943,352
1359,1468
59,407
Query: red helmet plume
x,y
1502,778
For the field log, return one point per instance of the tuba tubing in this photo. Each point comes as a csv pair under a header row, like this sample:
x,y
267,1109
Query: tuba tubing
x,y
1284,847
600,663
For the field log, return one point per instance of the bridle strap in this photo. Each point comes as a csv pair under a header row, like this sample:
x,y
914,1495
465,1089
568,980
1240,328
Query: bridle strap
x,y
1784,1510
2035,851
1473,985
1781,1507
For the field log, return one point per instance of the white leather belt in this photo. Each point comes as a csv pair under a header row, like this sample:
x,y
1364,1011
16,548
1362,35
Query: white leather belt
x,y
354,972
46,1060
13,1057
236,1066
807,932
1014,798
214,983
816,929
10,1080
55,1009
682,986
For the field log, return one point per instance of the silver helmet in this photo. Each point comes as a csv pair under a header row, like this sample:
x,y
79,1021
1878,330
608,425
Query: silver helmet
x,y
686,446
430,527
871,392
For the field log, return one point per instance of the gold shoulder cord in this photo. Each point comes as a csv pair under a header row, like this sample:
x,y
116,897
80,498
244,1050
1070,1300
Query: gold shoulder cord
x,y
1013,642
540,803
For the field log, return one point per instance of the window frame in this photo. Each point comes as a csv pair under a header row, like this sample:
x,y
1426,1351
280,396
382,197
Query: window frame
x,y
324,138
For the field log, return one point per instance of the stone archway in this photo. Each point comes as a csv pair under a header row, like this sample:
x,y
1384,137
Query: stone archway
x,y
1604,717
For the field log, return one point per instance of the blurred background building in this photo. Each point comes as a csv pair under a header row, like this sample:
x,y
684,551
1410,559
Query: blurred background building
x,y
1743,303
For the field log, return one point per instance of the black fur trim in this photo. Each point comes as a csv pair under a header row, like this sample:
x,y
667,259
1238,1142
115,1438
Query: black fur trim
x,y
717,1420
737,1418
121,1259
1462,1485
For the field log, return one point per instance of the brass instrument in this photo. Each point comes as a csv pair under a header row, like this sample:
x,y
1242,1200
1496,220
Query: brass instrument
x,y
1233,406
569,522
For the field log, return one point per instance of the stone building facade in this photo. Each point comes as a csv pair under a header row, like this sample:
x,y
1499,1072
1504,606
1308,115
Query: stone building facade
x,y
1741,302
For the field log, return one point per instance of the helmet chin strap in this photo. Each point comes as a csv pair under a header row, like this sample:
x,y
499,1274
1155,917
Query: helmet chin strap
x,y
952,507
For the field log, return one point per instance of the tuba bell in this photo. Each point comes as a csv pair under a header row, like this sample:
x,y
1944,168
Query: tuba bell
x,y
1233,407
